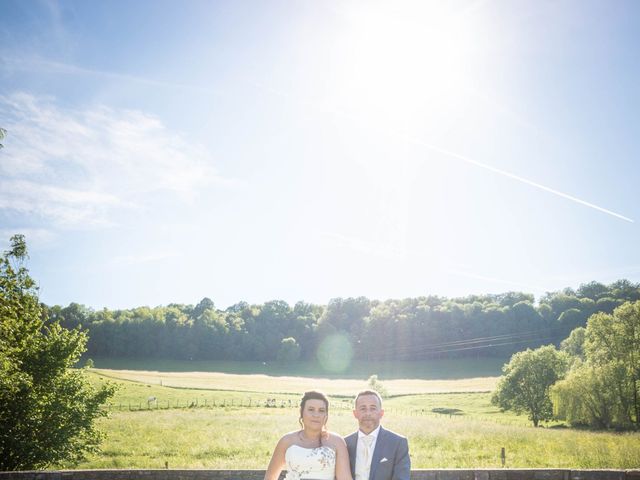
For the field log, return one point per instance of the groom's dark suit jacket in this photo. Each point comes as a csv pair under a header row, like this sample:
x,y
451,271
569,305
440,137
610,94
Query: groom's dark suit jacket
x,y
390,457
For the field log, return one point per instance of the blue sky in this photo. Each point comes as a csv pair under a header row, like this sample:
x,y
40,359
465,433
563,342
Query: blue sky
x,y
160,152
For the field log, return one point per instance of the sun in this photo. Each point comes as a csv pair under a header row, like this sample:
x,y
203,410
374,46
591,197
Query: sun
x,y
407,62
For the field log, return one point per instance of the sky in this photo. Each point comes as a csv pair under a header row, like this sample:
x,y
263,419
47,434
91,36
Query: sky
x,y
160,152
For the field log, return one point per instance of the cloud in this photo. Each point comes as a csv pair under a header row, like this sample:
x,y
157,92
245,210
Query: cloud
x,y
39,65
83,167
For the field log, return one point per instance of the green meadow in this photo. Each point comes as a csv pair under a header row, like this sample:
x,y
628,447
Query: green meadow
x,y
442,369
264,384
200,421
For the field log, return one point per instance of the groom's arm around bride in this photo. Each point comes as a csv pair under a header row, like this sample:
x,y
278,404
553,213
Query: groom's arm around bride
x,y
376,453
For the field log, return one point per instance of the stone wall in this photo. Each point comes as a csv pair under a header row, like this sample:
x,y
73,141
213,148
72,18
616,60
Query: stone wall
x,y
479,474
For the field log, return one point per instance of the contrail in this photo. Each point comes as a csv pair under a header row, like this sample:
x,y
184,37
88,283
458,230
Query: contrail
x,y
73,69
419,142
516,177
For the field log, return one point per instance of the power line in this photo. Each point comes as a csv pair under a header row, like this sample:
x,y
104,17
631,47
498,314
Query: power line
x,y
476,343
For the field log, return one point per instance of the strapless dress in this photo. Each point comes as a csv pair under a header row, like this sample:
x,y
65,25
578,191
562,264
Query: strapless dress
x,y
310,463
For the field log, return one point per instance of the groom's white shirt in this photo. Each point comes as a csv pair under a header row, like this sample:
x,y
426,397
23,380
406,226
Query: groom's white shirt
x,y
362,471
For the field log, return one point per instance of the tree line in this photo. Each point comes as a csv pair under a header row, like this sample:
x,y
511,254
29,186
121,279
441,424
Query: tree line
x,y
407,329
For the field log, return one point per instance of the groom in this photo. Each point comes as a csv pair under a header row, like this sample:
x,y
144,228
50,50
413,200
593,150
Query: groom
x,y
376,453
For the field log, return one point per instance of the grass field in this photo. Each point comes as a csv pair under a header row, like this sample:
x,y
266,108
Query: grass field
x,y
243,438
444,369
296,385
469,434
134,395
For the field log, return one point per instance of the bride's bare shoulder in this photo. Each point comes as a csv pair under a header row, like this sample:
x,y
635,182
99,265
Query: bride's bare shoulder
x,y
288,438
334,439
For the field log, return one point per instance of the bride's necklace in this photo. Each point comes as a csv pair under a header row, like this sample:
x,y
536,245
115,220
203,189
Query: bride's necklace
x,y
307,441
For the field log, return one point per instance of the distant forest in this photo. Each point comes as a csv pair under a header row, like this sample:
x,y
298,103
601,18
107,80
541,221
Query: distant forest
x,y
408,329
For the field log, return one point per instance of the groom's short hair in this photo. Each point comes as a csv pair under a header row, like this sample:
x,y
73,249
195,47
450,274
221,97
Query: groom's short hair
x,y
368,392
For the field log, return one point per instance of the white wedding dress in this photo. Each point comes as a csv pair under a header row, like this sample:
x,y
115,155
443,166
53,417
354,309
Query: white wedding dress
x,y
310,463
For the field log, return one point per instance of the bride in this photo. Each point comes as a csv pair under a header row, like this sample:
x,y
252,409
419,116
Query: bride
x,y
312,452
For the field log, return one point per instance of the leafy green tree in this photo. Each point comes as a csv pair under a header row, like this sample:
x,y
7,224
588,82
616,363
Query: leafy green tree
x,y
592,290
587,396
272,324
75,315
526,380
574,343
561,301
546,312
608,304
345,315
572,318
47,409
602,391
376,385
3,133
509,299
289,350
306,316
614,340
625,289
205,304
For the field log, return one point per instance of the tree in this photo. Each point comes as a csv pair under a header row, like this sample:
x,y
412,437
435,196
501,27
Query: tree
x,y
3,133
289,350
572,318
47,409
614,341
587,396
602,388
624,289
593,290
75,315
205,304
574,343
608,304
376,385
526,380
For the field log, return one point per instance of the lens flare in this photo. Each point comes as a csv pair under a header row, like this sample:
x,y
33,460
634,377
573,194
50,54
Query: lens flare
x,y
335,353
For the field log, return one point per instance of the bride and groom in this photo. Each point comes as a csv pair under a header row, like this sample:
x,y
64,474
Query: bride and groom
x,y
313,453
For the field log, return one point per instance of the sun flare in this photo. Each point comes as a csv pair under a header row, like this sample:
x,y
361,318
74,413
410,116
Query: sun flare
x,y
408,63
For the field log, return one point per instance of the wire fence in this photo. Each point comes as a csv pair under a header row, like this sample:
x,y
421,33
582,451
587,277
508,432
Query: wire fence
x,y
272,403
